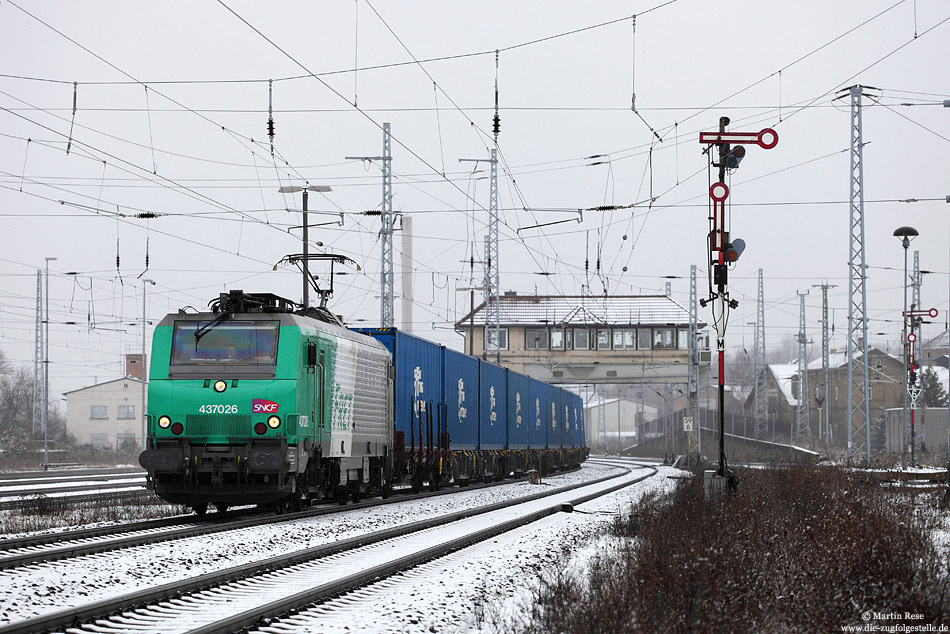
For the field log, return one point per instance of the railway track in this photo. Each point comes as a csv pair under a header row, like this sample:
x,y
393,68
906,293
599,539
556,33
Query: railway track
x,y
56,546
241,596
12,478
48,490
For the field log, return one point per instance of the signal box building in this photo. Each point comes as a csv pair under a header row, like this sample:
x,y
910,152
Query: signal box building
x,y
584,339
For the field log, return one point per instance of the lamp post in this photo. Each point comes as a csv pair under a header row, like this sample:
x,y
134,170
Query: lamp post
x,y
906,234
143,364
290,189
46,374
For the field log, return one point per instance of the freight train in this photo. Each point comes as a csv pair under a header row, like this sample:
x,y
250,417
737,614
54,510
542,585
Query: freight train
x,y
259,401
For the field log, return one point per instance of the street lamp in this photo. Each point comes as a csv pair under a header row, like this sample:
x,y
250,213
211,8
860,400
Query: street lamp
x,y
906,234
46,375
290,189
143,364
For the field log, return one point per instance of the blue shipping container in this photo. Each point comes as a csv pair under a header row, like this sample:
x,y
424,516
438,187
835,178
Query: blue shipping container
x,y
418,379
492,406
520,410
460,386
554,417
538,414
567,431
579,440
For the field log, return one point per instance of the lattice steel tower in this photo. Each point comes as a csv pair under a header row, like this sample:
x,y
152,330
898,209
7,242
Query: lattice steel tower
x,y
824,393
915,299
802,419
39,396
387,315
386,312
692,386
859,422
761,366
917,438
492,277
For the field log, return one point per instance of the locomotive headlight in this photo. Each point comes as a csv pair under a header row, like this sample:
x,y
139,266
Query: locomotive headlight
x,y
220,386
164,422
273,422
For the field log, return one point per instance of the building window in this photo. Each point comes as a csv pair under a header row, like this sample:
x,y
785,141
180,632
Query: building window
x,y
630,339
536,338
489,334
603,340
568,338
557,339
99,412
643,334
618,339
664,338
125,439
99,441
684,339
581,339
126,412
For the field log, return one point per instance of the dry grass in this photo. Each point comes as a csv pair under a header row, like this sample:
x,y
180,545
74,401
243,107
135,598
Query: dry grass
x,y
796,550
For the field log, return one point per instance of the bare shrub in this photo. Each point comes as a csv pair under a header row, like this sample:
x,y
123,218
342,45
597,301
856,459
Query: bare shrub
x,y
796,550
44,513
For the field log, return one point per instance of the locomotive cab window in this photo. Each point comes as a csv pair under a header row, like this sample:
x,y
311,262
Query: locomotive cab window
x,y
230,343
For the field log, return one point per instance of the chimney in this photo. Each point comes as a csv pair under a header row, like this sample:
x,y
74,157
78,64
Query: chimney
x,y
134,365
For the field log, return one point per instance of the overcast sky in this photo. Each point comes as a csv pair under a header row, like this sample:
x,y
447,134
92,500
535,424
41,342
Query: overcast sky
x,y
171,119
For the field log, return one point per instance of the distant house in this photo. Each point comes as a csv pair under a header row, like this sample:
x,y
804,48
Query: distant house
x,y
884,380
622,417
936,350
108,414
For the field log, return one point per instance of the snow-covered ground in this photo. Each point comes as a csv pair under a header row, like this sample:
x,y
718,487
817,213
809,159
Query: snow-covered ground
x,y
484,588
37,589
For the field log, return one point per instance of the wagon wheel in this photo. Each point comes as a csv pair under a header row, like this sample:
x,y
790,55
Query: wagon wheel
x,y
221,507
200,509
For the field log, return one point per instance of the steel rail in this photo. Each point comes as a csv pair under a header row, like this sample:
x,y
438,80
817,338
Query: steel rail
x,y
274,610
70,473
73,617
149,531
53,502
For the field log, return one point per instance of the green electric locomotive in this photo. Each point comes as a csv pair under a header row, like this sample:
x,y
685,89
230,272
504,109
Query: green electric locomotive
x,y
259,402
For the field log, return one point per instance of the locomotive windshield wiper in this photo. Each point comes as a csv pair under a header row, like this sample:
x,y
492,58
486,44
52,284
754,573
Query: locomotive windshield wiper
x,y
203,330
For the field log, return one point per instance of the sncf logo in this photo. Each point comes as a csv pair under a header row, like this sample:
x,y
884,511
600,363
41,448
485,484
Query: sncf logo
x,y
262,406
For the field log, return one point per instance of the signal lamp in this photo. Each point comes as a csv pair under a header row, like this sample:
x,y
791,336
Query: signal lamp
x,y
735,157
273,422
164,422
220,386
734,249
177,429
260,428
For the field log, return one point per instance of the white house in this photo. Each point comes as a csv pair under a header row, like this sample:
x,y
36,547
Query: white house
x,y
107,414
